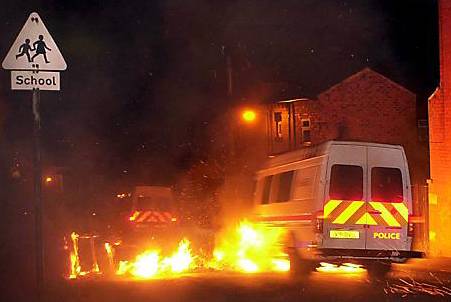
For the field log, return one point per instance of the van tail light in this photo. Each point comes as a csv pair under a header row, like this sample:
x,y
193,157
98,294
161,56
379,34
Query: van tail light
x,y
410,229
319,222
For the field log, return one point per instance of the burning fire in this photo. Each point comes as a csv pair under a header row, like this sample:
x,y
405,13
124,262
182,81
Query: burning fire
x,y
251,248
150,263
248,248
75,268
349,268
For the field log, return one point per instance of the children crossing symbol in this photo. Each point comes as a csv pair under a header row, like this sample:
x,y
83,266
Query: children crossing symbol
x,y
34,49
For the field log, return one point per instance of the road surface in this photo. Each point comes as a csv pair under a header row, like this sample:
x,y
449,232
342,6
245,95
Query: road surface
x,y
416,281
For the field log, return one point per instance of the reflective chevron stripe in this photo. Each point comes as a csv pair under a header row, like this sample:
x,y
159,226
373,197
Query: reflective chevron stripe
x,y
373,213
385,214
366,219
330,207
348,212
150,216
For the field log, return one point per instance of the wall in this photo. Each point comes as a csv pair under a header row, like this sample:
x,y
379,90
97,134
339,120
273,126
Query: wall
x,y
364,107
440,143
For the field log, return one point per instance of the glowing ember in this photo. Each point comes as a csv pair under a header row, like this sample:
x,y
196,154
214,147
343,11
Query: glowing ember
x,y
349,268
415,288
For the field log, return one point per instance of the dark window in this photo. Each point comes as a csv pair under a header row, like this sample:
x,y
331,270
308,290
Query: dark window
x,y
386,185
266,189
346,182
285,180
153,203
306,135
306,138
278,123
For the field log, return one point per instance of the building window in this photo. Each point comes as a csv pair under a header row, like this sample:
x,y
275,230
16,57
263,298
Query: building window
x,y
306,138
278,123
423,130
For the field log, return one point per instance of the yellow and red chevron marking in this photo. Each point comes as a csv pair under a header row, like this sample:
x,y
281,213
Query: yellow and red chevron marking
x,y
370,213
151,216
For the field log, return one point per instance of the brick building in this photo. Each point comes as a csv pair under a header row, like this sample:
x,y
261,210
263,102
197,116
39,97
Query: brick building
x,y
440,143
364,107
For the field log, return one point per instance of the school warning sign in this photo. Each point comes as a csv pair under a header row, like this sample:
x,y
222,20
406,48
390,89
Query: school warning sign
x,y
34,49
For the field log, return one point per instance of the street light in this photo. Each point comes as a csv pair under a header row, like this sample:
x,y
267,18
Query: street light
x,y
248,116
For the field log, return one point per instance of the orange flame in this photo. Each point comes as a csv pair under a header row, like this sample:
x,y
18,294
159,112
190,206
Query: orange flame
x,y
75,268
251,248
248,248
349,268
149,263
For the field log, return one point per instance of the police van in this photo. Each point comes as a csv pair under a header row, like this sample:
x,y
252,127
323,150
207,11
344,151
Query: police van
x,y
340,201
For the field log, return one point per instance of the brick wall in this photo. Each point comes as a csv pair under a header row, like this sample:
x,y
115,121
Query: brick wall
x,y
364,107
440,143
369,107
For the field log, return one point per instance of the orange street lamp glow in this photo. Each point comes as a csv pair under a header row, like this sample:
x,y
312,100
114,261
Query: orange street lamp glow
x,y
48,179
249,116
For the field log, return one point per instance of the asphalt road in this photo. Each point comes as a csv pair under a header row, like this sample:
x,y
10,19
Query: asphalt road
x,y
411,282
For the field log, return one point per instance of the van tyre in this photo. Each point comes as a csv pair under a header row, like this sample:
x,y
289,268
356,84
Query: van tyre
x,y
378,270
299,267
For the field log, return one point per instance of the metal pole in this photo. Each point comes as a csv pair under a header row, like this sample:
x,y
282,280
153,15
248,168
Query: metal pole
x,y
37,192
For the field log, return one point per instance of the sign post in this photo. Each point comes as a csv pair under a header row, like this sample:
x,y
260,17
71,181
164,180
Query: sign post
x,y
37,173
34,61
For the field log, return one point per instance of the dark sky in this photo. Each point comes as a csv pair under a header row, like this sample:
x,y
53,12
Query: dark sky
x,y
144,78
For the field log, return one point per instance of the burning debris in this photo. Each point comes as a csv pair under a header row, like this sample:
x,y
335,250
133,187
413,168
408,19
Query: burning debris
x,y
349,268
249,248
150,263
75,264
413,287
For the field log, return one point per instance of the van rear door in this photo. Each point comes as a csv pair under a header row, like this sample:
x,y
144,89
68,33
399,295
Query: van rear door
x,y
388,196
345,201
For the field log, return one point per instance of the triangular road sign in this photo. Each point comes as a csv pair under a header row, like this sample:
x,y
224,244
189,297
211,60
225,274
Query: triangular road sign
x,y
34,49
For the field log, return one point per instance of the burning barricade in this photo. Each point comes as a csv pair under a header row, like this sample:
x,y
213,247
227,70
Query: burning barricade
x,y
247,248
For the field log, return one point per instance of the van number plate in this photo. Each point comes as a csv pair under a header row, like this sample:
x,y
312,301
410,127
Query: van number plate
x,y
344,234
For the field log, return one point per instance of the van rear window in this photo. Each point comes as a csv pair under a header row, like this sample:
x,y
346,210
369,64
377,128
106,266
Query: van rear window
x,y
386,185
159,203
346,182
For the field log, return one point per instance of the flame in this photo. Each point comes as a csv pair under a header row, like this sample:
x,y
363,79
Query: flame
x,y
74,257
251,248
146,265
75,268
247,248
182,258
349,268
149,263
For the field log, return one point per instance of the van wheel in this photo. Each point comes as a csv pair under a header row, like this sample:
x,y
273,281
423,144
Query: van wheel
x,y
299,267
378,270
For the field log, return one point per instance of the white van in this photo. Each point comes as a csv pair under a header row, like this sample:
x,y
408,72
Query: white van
x,y
340,201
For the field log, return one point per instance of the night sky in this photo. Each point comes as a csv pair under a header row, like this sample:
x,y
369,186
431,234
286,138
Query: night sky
x,y
145,78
